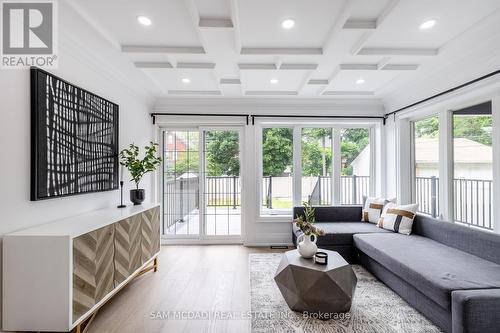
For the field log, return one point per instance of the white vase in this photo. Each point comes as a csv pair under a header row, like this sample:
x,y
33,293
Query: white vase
x,y
306,246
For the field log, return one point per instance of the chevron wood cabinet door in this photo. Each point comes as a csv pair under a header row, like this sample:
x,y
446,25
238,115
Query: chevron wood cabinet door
x,y
127,247
93,268
56,276
150,232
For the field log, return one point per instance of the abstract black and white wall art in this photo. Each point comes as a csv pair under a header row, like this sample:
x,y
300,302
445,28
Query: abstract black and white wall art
x,y
74,139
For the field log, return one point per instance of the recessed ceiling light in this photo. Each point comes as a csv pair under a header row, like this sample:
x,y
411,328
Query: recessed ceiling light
x,y
427,24
186,80
288,24
274,81
360,81
144,20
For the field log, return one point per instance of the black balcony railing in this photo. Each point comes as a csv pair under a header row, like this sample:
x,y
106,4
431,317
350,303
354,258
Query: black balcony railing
x,y
352,188
472,200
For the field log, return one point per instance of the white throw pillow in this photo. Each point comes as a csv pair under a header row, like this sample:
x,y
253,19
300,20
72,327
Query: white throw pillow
x,y
373,209
398,218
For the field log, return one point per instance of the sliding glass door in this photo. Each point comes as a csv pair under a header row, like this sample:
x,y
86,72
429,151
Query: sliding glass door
x,y
222,190
201,183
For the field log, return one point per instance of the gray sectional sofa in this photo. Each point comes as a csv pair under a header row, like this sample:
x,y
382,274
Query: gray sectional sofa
x,y
448,272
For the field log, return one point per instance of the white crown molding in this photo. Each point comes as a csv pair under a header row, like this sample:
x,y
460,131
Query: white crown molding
x,y
398,51
162,49
360,24
153,64
247,105
211,22
281,50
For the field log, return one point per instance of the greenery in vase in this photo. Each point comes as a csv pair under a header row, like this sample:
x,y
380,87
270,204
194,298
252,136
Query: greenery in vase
x,y
306,222
129,158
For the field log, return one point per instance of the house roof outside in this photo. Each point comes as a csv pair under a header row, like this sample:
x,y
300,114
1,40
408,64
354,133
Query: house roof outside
x,y
465,151
427,152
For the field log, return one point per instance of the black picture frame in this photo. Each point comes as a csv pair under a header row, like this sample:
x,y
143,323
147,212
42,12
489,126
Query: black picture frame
x,y
74,139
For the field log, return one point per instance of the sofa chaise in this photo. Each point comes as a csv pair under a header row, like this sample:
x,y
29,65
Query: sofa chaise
x,y
448,272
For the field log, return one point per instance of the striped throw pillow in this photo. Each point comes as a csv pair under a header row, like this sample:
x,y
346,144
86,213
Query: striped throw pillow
x,y
372,209
398,218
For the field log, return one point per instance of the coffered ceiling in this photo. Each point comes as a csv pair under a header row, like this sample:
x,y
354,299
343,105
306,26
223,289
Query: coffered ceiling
x,y
238,48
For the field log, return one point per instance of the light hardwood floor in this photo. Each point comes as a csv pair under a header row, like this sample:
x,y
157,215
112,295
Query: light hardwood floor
x,y
205,279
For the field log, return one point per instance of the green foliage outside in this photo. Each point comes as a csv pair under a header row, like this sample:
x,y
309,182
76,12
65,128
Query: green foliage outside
x,y
277,151
352,143
222,151
476,128
316,152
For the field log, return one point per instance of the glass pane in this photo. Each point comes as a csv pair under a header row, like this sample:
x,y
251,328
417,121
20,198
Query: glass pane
x,y
222,183
181,183
316,157
426,150
277,164
355,165
472,166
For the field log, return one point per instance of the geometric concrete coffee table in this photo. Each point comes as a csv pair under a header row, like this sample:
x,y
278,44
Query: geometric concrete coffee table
x,y
313,288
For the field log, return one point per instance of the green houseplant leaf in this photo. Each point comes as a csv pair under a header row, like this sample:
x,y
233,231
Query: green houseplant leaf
x,y
129,158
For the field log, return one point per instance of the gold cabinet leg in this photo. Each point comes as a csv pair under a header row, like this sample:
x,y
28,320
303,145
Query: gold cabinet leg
x,y
155,264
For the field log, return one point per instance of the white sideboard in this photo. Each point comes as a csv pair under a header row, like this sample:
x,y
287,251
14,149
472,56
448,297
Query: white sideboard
x,y
56,275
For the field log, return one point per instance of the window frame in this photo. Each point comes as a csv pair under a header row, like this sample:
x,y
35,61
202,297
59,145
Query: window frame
x,y
444,110
297,126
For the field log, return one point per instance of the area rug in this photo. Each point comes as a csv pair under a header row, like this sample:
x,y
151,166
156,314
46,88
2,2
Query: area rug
x,y
375,307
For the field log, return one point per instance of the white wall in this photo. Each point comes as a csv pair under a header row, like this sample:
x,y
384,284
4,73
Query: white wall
x,y
87,61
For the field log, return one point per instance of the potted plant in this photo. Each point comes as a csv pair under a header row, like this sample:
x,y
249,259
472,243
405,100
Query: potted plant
x,y
129,158
305,245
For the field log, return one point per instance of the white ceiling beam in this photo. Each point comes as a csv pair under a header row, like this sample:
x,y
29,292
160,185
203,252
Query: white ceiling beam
x,y
195,65
360,43
387,11
270,93
153,64
384,51
236,25
195,92
213,22
340,20
384,61
195,18
162,49
281,50
335,72
358,46
298,66
230,81
318,82
359,67
360,24
304,82
400,67
257,66
348,93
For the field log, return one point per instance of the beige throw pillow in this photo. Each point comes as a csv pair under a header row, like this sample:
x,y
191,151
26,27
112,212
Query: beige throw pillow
x,y
373,209
398,218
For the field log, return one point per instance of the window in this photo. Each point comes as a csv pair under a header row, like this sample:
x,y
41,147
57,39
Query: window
x,y
277,168
316,159
355,165
320,178
472,165
426,165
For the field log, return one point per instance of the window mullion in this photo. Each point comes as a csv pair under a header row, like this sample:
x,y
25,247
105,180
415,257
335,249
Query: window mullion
x,y
297,166
337,165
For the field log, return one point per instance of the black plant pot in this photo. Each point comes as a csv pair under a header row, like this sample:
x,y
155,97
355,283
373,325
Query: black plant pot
x,y
137,196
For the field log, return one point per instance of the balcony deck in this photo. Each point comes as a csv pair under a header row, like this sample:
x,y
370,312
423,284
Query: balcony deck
x,y
220,221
